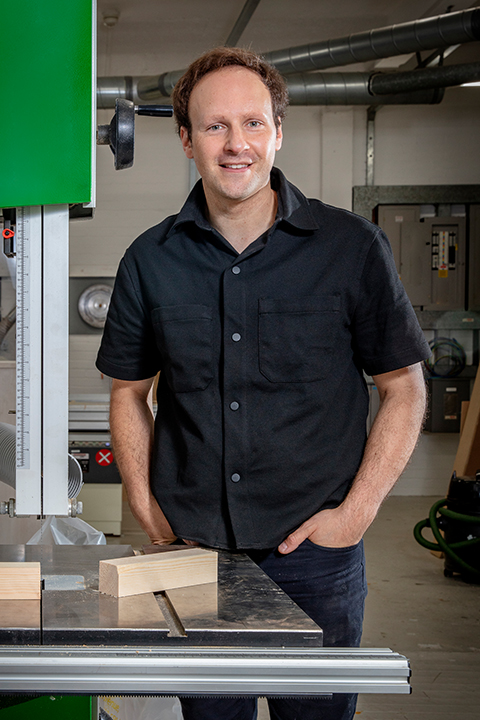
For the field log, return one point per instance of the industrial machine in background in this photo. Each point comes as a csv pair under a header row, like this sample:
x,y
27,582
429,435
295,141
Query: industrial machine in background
x,y
455,524
436,250
89,443
446,389
88,427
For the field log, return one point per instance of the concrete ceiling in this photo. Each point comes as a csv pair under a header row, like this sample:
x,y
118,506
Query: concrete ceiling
x,y
154,36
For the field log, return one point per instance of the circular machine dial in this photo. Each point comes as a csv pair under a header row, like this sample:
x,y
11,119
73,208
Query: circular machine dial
x,y
93,305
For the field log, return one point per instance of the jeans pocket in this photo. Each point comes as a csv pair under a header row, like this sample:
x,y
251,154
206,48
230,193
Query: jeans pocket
x,y
333,550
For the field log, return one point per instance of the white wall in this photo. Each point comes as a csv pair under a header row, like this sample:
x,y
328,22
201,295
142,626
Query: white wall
x,y
426,144
302,149
430,467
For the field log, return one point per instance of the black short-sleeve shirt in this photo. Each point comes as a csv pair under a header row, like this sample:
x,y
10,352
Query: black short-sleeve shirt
x,y
262,402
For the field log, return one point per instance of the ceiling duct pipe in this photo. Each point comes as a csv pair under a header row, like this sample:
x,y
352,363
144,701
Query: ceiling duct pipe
x,y
423,86
159,86
349,89
143,89
410,37
430,33
303,89
111,88
416,80
398,88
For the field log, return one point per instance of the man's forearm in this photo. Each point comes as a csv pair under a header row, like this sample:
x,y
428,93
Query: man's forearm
x,y
391,442
392,439
131,425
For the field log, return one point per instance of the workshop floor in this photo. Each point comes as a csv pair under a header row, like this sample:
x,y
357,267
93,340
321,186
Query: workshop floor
x,y
413,609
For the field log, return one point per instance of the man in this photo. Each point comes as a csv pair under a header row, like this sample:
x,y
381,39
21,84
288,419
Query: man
x,y
261,309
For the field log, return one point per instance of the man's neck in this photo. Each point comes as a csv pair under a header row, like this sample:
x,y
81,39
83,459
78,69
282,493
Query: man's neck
x,y
243,221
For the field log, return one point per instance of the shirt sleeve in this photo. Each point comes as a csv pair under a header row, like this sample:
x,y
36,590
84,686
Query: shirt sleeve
x,y
386,332
128,350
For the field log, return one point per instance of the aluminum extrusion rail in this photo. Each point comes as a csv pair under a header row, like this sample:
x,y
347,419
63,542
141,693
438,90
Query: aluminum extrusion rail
x,y
278,672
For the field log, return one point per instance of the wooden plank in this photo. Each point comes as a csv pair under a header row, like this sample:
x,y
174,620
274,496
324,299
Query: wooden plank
x,y
463,414
152,573
467,460
20,581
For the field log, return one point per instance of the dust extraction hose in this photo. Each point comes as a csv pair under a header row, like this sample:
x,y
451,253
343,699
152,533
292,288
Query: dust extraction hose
x,y
8,462
441,545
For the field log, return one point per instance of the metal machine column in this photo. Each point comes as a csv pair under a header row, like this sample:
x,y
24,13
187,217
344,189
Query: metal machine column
x,y
42,360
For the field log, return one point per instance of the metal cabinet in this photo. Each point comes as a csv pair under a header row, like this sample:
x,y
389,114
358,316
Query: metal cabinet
x,y
430,254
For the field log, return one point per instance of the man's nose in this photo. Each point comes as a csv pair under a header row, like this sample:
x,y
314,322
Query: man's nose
x,y
236,140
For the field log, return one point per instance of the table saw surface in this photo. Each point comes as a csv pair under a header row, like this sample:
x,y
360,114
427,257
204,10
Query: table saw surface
x,y
243,608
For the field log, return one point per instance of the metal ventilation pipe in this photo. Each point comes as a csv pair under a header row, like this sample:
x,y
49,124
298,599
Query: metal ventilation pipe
x,y
424,86
402,88
162,84
425,34
138,89
111,88
415,80
405,88
350,89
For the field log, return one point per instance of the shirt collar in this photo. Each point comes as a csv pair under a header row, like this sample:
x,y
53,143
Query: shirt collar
x,y
293,206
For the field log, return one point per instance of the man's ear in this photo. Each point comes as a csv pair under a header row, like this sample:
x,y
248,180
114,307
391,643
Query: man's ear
x,y
278,142
186,143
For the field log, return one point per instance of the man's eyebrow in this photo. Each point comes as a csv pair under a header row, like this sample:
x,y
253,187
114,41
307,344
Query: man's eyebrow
x,y
212,119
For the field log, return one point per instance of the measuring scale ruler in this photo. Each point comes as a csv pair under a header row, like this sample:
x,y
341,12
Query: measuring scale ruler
x,y
42,361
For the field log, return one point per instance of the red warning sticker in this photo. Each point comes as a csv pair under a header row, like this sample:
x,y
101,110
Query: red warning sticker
x,y
104,457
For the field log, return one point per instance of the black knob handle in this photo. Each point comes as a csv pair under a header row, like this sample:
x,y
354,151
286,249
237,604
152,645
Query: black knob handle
x,y
154,110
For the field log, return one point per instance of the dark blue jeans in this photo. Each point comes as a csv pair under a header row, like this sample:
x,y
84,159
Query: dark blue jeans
x,y
329,585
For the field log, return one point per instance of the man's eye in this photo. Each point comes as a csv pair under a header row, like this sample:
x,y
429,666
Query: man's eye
x,y
214,127
254,123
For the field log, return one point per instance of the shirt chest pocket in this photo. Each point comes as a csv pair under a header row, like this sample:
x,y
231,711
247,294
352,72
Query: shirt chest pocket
x,y
184,337
297,337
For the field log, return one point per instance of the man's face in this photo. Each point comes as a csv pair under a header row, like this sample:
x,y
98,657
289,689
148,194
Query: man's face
x,y
233,138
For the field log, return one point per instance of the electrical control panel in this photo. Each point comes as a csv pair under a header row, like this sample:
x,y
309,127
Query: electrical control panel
x,y
430,254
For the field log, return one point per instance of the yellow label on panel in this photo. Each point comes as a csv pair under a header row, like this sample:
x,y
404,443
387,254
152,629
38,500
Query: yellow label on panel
x,y
443,273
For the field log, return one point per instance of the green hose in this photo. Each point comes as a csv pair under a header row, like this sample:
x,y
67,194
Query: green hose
x,y
441,545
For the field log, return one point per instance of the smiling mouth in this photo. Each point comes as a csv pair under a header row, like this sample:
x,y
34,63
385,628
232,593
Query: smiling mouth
x,y
235,166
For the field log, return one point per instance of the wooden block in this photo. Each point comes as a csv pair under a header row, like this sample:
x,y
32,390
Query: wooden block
x,y
162,571
463,414
467,460
20,581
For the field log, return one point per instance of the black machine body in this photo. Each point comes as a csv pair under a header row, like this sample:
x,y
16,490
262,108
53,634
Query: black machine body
x,y
463,498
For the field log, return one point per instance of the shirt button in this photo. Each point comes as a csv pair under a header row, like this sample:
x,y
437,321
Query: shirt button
x,y
235,477
234,405
236,337
236,270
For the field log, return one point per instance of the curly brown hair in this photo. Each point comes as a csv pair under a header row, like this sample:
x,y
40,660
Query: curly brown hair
x,y
217,59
